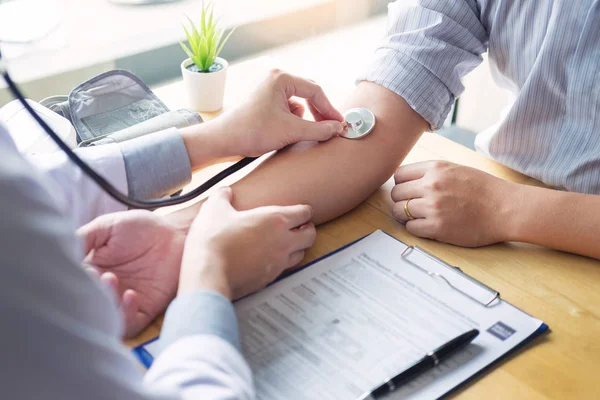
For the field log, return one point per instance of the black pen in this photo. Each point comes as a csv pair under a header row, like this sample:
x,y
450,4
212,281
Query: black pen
x,y
432,359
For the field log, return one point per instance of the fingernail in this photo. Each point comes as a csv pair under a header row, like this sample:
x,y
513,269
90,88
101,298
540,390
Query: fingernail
x,y
127,300
337,127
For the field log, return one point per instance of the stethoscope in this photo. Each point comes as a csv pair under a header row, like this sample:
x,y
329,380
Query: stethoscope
x,y
358,122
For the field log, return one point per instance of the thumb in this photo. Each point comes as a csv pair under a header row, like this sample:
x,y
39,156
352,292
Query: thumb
x,y
221,198
95,234
319,131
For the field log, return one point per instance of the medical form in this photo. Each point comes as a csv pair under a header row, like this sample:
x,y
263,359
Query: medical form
x,y
344,324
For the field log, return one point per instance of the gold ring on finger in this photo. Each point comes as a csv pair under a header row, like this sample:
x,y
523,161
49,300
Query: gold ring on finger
x,y
407,212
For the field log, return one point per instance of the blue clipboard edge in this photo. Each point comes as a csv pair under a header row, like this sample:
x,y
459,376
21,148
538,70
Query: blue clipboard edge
x,y
143,355
146,358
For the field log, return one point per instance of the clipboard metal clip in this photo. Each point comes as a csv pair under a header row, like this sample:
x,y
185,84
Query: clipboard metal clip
x,y
487,303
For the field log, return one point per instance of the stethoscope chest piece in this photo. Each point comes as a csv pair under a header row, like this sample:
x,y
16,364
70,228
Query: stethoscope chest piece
x,y
359,123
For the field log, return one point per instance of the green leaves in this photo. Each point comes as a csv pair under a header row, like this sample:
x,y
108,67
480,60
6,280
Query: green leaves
x,y
205,39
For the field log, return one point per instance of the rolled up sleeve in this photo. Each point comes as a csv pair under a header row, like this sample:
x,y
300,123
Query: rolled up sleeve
x,y
430,46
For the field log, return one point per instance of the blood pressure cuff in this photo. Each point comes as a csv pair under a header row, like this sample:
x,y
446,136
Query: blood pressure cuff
x,y
116,106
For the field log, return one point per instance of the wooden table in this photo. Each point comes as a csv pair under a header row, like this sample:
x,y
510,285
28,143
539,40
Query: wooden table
x,y
561,289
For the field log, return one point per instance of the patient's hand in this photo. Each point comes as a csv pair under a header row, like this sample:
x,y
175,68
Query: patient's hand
x,y
452,203
138,253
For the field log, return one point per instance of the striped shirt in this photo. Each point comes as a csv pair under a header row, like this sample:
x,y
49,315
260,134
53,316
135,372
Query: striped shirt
x,y
546,52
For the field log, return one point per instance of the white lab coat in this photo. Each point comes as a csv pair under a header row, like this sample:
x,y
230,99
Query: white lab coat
x,y
60,336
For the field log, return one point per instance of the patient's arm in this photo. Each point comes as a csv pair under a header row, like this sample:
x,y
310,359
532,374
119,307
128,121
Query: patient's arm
x,y
335,176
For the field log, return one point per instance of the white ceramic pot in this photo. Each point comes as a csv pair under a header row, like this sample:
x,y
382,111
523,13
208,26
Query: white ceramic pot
x,y
206,90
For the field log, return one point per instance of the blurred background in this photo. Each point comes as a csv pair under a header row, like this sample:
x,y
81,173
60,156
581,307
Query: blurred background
x,y
328,40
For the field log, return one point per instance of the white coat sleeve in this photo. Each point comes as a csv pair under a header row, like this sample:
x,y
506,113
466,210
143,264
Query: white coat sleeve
x,y
150,166
61,328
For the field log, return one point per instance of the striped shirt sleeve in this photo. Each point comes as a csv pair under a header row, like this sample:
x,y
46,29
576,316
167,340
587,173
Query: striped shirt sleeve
x,y
430,46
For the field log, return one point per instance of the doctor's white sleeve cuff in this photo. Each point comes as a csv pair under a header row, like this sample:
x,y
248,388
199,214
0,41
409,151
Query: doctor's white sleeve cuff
x,y
201,367
200,354
200,313
156,165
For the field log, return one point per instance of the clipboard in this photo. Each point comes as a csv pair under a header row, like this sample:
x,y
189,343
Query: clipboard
x,y
412,255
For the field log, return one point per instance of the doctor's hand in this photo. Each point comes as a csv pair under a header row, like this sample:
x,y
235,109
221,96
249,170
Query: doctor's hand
x,y
238,252
452,203
138,255
270,119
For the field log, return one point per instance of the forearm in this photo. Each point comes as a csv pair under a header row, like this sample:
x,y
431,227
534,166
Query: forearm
x,y
335,176
559,220
205,144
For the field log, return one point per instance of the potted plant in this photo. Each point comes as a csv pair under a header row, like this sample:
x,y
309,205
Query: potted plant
x,y
204,72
